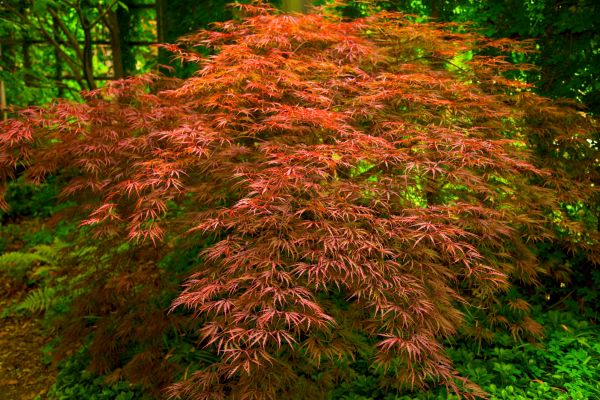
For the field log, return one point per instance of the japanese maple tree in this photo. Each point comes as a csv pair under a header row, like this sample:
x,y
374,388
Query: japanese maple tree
x,y
364,182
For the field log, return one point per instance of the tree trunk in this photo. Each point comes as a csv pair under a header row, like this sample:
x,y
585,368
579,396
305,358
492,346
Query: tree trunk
x,y
88,66
435,9
2,95
57,59
116,44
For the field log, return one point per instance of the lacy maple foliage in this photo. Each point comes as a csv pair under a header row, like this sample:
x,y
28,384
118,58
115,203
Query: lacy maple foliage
x,y
362,186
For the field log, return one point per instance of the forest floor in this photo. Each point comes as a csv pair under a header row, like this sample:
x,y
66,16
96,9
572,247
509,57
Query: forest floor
x,y
23,374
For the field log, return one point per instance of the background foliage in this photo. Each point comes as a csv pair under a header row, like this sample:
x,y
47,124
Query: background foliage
x,y
566,32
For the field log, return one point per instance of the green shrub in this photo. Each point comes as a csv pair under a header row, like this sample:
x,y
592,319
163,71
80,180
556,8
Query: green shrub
x,y
565,365
74,382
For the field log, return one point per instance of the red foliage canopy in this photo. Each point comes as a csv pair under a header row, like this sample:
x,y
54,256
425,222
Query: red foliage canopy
x,y
363,182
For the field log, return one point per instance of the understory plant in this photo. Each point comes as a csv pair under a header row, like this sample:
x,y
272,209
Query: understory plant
x,y
359,189
564,365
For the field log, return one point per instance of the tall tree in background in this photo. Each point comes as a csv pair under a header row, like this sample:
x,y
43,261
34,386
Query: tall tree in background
x,y
68,26
71,45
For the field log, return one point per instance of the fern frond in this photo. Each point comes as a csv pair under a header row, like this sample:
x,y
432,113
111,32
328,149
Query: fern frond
x,y
17,264
39,300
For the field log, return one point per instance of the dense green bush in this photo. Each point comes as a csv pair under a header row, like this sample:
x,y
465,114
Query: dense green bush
x,y
565,365
74,382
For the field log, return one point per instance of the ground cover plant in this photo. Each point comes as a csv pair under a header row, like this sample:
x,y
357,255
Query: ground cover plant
x,y
357,190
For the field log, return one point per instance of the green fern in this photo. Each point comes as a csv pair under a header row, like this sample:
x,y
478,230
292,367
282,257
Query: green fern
x,y
50,252
39,300
18,264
